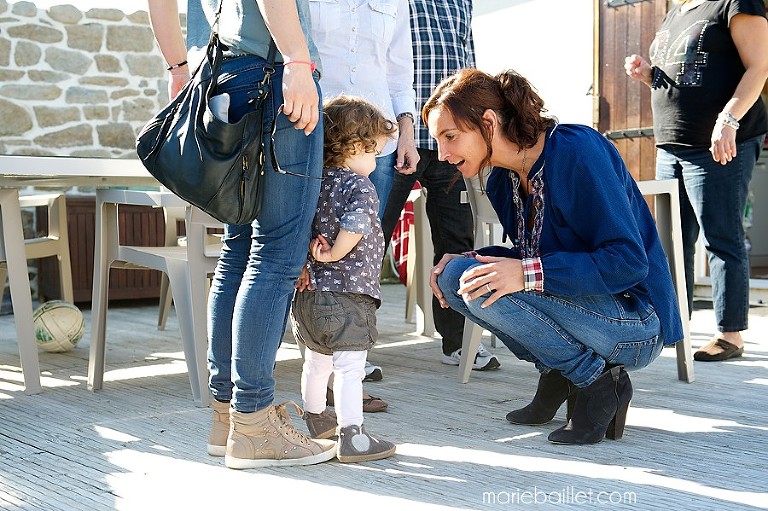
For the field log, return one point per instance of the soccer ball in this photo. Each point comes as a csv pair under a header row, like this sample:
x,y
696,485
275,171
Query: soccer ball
x,y
59,326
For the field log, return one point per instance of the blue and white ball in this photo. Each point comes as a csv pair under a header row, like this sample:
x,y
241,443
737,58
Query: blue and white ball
x,y
59,326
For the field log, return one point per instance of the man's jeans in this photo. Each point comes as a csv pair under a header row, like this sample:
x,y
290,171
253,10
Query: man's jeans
x,y
713,197
450,221
381,178
259,263
575,335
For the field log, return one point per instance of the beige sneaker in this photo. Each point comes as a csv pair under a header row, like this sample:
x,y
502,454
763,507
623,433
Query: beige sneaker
x,y
217,437
266,438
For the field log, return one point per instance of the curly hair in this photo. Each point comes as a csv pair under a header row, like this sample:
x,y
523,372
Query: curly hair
x,y
350,121
469,93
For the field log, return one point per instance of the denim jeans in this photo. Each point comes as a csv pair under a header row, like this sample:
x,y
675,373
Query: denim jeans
x,y
713,198
575,335
382,178
450,222
259,263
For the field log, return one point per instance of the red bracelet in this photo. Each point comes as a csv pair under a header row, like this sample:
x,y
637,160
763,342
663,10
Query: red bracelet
x,y
312,65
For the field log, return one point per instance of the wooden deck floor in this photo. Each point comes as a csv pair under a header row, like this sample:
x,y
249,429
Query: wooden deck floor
x,y
140,443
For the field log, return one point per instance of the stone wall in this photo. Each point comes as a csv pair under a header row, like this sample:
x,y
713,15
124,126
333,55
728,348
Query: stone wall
x,y
76,83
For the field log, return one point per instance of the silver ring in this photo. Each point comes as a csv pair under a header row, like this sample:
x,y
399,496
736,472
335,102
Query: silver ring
x,y
488,285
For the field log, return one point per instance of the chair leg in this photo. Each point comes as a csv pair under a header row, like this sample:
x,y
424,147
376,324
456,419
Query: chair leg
x,y
106,215
12,239
166,300
473,334
182,296
58,219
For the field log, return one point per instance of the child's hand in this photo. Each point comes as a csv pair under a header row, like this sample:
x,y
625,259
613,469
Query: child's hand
x,y
321,250
303,282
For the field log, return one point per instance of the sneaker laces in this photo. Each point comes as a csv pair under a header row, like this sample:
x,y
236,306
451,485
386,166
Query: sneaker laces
x,y
285,420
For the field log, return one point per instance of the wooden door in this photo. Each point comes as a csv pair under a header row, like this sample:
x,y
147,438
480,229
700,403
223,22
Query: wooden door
x,y
623,106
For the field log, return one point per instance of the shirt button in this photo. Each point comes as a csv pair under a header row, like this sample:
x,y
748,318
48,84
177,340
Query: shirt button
x,y
354,69
353,50
354,9
354,29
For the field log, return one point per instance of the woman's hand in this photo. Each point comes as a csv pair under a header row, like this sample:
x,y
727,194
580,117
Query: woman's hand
x,y
300,99
498,275
723,147
436,271
639,69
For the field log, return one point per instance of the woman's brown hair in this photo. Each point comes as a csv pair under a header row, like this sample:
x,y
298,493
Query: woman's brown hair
x,y
469,93
349,121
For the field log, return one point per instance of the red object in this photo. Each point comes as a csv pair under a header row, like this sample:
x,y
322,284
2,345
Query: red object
x,y
400,239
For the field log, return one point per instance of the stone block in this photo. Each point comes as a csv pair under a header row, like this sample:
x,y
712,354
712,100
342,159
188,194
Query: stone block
x,y
83,95
139,109
7,75
38,33
71,61
26,9
105,14
129,38
104,81
5,52
55,116
145,65
139,17
65,14
14,120
120,135
47,76
108,64
89,37
96,113
26,54
30,91
80,135
123,93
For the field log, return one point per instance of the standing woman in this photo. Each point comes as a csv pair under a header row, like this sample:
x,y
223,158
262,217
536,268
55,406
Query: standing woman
x,y
710,62
365,47
259,263
585,293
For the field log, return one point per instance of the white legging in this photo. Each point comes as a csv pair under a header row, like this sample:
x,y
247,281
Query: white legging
x,y
348,368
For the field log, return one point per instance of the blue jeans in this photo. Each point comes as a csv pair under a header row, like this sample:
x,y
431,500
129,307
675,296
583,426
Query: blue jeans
x,y
259,263
450,221
382,178
575,335
713,198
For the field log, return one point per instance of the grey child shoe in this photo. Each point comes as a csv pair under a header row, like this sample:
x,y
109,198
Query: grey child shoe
x,y
321,425
355,444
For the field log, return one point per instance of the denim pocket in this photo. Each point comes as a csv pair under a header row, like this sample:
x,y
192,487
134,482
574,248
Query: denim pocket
x,y
636,354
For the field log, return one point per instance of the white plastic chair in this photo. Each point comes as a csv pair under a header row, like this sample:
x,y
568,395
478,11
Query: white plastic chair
x,y
667,207
419,263
187,269
54,243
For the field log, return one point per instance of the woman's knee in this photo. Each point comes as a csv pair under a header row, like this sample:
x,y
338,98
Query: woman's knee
x,y
448,280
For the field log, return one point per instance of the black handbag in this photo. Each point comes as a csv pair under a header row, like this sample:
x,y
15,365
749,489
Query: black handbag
x,y
215,165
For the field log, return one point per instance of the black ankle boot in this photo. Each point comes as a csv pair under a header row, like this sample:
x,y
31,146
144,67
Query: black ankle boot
x,y
553,390
600,411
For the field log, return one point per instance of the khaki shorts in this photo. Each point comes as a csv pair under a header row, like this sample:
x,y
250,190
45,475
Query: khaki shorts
x,y
328,321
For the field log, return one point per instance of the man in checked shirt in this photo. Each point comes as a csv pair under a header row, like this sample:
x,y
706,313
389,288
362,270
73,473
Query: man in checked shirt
x,y
441,34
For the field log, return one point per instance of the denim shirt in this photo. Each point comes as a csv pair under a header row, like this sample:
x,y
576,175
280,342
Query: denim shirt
x,y
242,38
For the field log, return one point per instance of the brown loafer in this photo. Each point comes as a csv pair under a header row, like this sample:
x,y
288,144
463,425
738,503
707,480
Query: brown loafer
x,y
718,350
371,404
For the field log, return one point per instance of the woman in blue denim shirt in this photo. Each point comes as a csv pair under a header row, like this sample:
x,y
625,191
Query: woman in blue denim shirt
x,y
585,293
259,263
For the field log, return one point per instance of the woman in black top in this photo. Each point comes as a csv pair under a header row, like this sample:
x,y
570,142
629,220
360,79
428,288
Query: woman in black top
x,y
710,62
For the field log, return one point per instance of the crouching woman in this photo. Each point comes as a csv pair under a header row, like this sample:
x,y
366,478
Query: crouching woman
x,y
585,292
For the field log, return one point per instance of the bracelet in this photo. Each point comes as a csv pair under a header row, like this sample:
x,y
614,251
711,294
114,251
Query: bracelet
x,y
312,65
401,115
728,119
176,66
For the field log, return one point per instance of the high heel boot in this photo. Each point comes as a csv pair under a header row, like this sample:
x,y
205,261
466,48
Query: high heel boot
x,y
553,390
600,411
